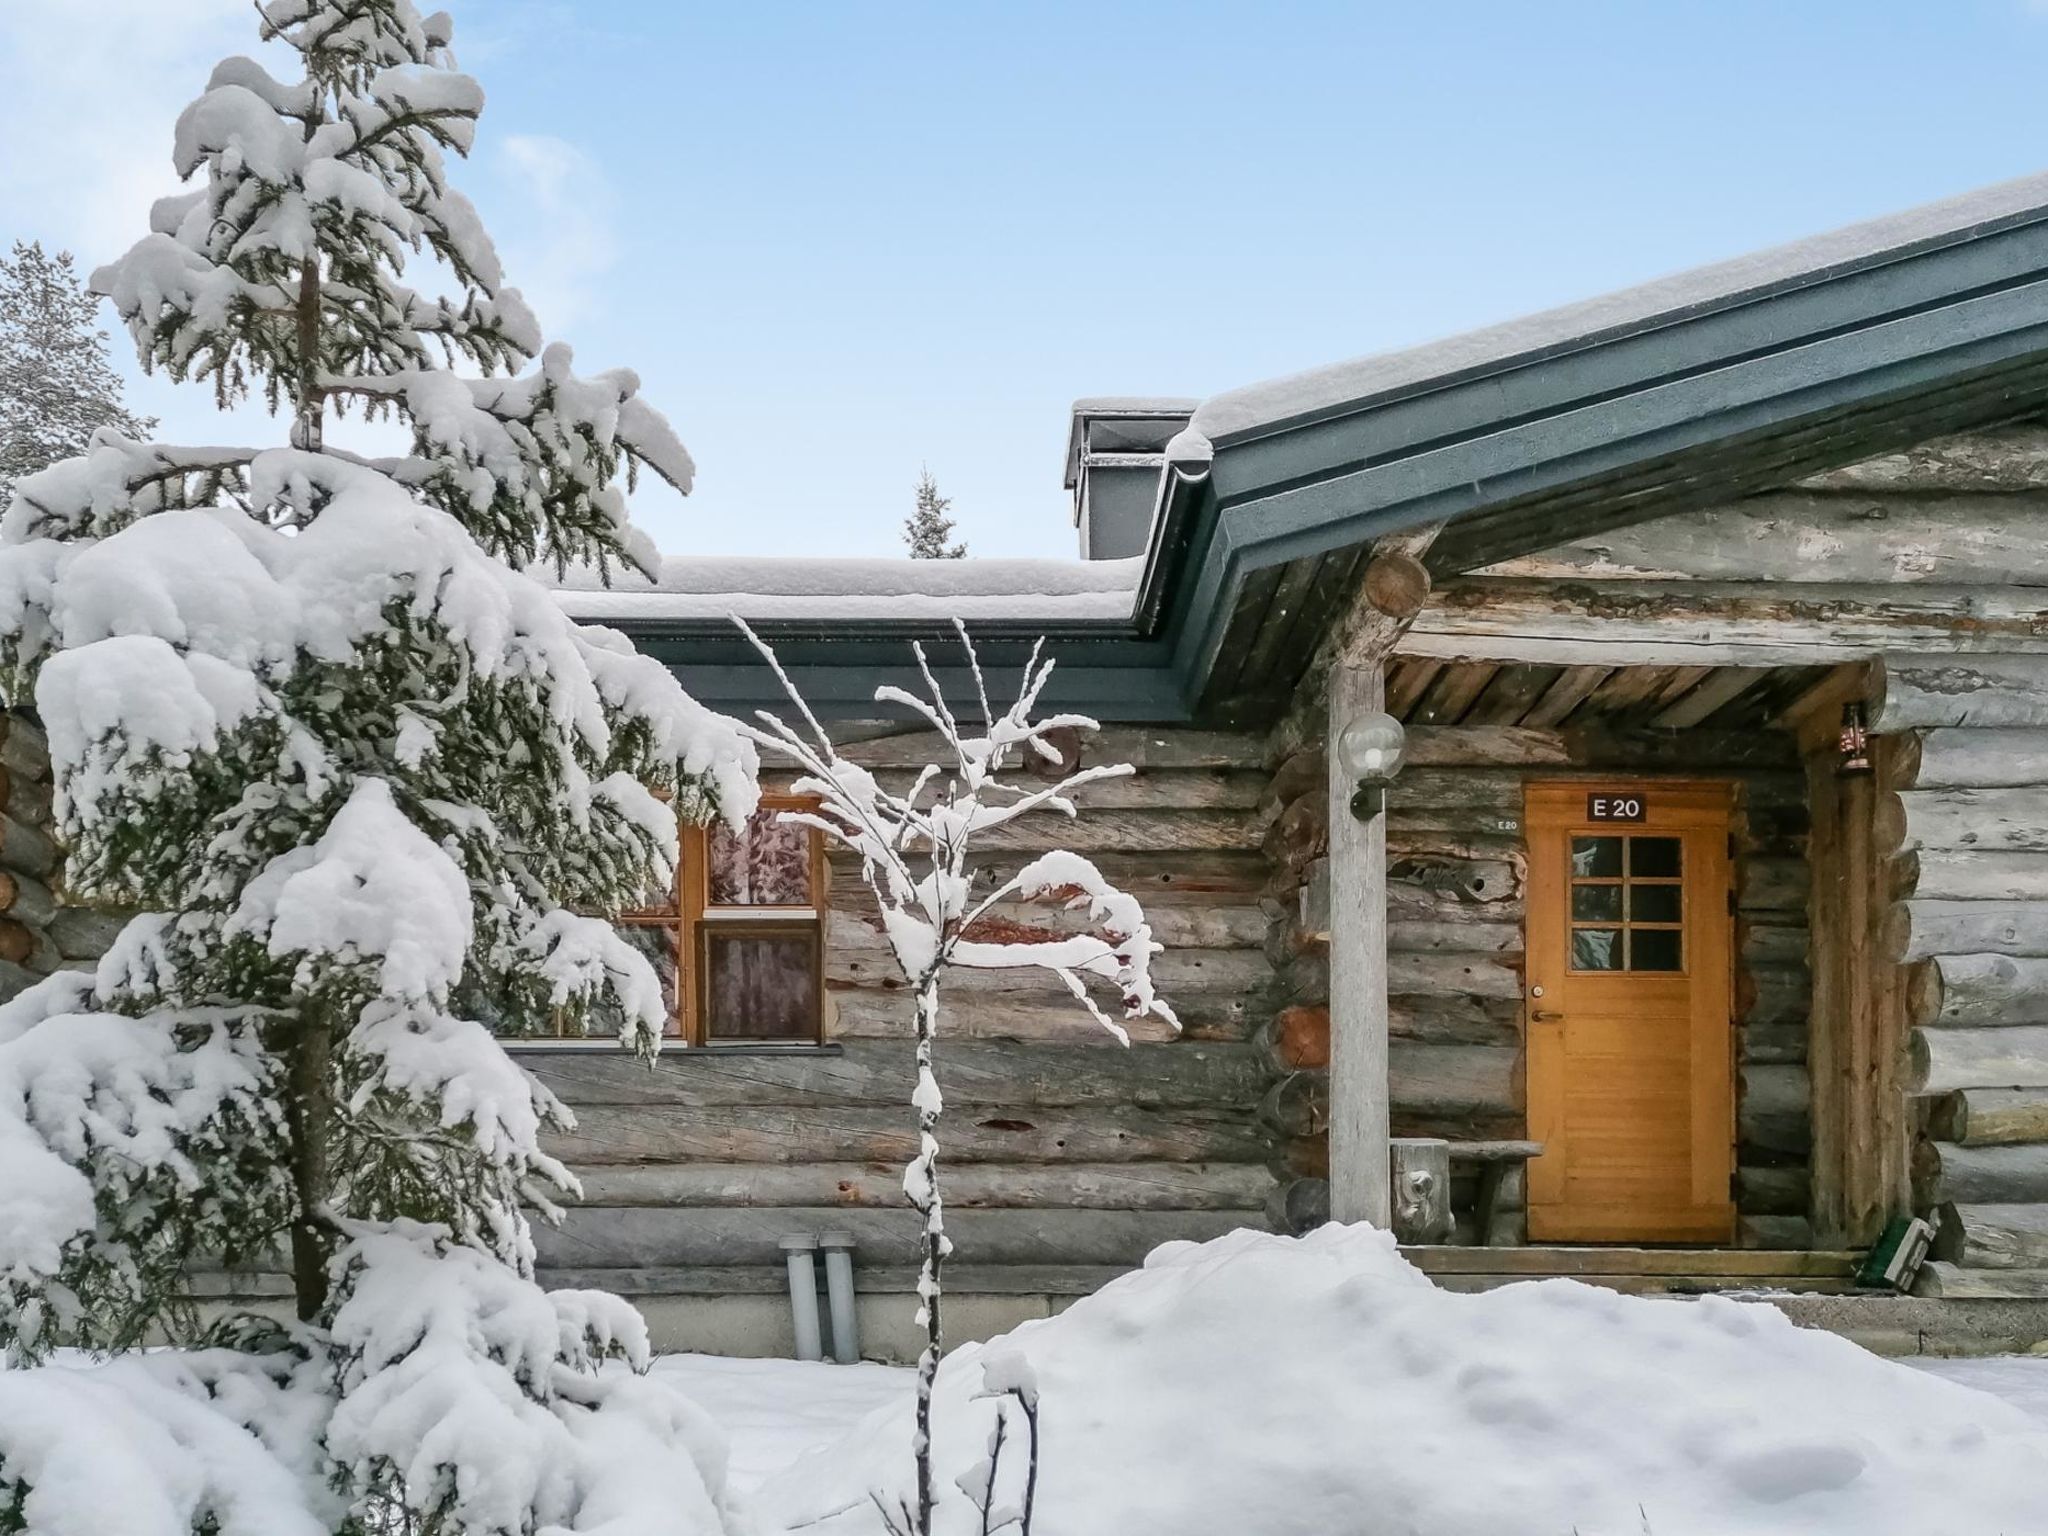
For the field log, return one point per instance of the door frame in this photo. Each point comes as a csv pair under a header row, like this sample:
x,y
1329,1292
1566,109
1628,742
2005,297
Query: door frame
x,y
1689,805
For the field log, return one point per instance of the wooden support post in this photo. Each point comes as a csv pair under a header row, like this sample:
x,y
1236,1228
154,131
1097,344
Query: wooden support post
x,y
1359,1123
1392,593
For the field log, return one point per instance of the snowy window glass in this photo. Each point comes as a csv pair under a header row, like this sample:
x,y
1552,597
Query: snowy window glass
x,y
756,960
738,942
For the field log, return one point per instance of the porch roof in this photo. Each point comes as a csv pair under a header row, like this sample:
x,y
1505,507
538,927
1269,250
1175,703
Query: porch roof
x,y
1681,393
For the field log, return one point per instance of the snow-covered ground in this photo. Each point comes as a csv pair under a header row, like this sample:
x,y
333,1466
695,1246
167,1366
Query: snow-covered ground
x,y
1303,1387
776,1410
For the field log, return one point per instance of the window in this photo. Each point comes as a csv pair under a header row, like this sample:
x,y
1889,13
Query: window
x,y
739,943
1628,904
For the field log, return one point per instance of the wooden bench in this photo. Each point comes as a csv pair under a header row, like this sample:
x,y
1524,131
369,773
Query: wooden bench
x,y
1495,1159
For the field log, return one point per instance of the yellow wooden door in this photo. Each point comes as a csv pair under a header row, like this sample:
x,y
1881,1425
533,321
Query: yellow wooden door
x,y
1627,1009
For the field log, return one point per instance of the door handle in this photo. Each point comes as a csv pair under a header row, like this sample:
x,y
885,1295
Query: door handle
x,y
1546,1015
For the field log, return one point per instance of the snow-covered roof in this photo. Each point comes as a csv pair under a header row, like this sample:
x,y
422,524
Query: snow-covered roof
x,y
767,588
1277,402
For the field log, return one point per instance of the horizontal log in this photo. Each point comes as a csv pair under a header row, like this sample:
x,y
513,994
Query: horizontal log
x,y
1773,941
607,1237
83,933
752,1133
1779,536
1773,996
971,1072
667,1281
1942,1060
972,1186
26,848
1441,973
1774,1233
1142,746
1920,930
1436,936
2008,820
1990,459
1774,1115
1972,874
1997,1236
1923,692
24,751
1419,883
1595,747
1991,1117
1772,885
1177,927
25,899
1173,971
1946,1173
1174,789
1127,831
1778,1043
1952,758
1157,875
1445,1081
1976,990
1771,1191
1951,1282
15,979
1454,1080
885,1014
1663,623
1455,1018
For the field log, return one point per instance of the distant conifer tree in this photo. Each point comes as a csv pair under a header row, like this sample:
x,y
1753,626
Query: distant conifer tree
x,y
927,529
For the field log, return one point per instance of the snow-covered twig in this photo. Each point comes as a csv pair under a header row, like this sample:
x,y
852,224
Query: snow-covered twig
x,y
916,856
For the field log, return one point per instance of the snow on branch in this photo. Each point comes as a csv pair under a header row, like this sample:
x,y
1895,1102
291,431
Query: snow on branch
x,y
916,847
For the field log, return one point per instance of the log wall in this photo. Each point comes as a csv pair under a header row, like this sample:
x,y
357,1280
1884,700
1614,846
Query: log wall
x,y
1457,870
1964,822
38,934
1066,1156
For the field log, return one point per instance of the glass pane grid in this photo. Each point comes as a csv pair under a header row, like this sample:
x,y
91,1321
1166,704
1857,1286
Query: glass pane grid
x,y
1627,904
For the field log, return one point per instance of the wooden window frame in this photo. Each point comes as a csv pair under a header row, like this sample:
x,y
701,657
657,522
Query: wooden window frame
x,y
697,913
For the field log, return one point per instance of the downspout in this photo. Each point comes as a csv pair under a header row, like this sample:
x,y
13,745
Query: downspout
x,y
799,1252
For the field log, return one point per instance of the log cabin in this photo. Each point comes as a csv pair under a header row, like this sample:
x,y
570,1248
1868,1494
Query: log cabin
x,y
1702,934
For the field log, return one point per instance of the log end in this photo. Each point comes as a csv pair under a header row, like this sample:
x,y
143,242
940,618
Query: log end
x,y
1923,992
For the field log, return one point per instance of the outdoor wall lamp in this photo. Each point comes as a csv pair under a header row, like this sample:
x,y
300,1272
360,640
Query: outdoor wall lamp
x,y
1369,750
1853,745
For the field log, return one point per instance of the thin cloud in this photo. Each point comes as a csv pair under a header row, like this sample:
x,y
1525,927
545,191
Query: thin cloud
x,y
559,238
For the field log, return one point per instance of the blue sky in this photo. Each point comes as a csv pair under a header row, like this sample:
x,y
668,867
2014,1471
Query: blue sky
x,y
840,241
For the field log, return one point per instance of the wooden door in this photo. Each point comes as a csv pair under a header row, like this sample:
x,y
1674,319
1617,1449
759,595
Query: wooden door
x,y
1627,1008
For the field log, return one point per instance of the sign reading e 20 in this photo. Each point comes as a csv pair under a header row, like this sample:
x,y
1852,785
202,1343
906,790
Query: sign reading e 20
x,y
1617,805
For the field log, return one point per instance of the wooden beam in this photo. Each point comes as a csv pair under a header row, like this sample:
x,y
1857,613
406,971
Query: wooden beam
x,y
1395,589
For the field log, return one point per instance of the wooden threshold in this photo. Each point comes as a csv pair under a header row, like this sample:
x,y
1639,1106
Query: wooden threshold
x,y
1731,1266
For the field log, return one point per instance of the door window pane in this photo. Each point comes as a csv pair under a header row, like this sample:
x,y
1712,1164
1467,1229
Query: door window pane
x,y
1653,858
1654,903
760,983
1596,858
1596,903
1596,949
766,865
1655,949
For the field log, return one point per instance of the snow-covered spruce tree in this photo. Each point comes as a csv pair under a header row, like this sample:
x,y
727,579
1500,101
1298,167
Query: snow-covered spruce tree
x,y
56,385
917,856
927,529
364,783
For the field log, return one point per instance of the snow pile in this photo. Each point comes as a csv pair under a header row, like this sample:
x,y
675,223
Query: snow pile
x,y
1321,1385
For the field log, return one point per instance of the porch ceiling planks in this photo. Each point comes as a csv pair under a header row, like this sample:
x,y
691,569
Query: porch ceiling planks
x,y
1437,691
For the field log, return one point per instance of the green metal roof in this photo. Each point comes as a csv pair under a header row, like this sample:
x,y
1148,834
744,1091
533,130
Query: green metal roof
x,y
1681,393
